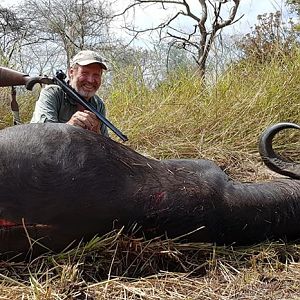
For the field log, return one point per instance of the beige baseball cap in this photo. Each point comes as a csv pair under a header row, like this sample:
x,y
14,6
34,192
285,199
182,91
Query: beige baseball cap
x,y
86,57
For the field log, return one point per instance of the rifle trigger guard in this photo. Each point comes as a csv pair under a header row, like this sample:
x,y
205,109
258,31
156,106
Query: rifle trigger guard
x,y
41,80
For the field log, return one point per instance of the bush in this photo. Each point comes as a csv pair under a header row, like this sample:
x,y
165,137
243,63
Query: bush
x,y
271,39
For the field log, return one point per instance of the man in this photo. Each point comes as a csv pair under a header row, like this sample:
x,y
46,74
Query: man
x,y
85,74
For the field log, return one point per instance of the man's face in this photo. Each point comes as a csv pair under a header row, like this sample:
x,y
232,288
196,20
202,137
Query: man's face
x,y
86,80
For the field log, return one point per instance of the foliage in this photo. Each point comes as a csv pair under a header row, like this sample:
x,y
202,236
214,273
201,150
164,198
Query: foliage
x,y
270,39
13,34
295,5
73,24
41,35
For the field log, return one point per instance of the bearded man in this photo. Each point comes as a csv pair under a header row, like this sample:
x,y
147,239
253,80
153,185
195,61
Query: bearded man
x,y
85,76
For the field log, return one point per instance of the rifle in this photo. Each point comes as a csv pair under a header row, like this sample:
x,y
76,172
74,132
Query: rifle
x,y
59,79
9,77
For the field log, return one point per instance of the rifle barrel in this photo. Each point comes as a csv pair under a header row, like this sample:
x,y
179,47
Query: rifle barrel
x,y
78,98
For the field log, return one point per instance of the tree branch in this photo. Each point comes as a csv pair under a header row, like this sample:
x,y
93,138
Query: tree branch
x,y
203,34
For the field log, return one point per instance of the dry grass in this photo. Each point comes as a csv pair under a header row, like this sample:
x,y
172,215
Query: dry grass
x,y
183,119
179,119
121,267
26,102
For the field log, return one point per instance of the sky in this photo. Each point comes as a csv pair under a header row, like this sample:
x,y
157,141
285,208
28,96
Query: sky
x,y
251,8
152,15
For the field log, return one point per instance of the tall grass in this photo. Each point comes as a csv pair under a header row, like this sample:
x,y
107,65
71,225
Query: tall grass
x,y
182,118
26,101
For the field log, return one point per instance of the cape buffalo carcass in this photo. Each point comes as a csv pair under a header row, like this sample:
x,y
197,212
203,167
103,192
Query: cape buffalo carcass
x,y
60,184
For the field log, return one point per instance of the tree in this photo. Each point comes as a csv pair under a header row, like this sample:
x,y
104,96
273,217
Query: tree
x,y
270,39
71,24
13,35
148,64
295,6
199,37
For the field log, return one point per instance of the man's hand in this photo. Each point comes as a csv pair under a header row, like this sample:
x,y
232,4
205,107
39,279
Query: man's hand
x,y
86,120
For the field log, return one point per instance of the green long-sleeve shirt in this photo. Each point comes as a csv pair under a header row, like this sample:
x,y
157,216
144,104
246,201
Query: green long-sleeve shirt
x,y
55,106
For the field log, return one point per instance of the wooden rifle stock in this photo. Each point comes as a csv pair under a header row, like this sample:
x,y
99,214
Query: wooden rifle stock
x,y
9,77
